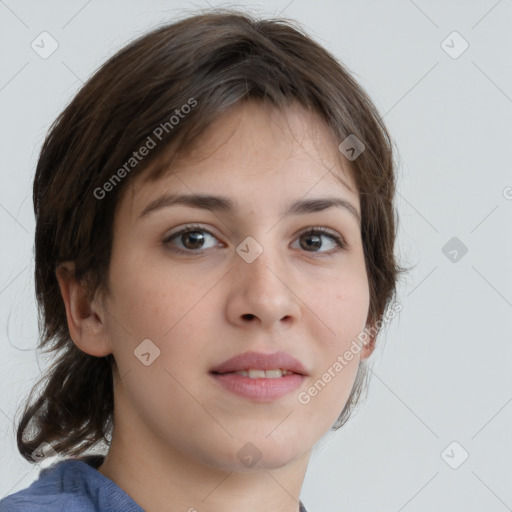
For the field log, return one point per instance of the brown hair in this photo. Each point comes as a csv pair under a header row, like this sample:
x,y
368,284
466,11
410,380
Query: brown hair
x,y
209,61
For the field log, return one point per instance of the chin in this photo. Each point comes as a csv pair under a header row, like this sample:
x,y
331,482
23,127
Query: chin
x,y
264,453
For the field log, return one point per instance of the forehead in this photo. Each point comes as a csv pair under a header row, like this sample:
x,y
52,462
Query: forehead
x,y
255,147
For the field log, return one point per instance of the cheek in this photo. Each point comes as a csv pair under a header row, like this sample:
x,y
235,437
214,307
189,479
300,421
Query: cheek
x,y
149,299
173,310
342,307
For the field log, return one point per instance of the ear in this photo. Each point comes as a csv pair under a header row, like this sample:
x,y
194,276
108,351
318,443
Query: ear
x,y
86,319
368,342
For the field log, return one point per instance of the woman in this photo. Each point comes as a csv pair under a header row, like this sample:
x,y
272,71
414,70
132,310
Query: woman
x,y
214,258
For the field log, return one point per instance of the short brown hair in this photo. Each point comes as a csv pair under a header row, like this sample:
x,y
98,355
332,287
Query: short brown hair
x,y
216,58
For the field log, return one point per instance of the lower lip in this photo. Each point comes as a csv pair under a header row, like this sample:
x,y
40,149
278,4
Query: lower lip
x,y
260,390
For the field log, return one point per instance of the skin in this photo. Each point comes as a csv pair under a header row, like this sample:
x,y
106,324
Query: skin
x,y
177,433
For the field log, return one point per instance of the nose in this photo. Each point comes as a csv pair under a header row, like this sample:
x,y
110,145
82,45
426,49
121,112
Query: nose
x,y
263,292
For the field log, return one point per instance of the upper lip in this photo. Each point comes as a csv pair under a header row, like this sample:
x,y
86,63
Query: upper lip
x,y
261,361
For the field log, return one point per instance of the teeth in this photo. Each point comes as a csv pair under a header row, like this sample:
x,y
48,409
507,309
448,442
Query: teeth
x,y
263,374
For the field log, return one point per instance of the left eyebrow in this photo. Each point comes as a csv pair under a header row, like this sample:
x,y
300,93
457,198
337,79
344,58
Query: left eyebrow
x,y
226,205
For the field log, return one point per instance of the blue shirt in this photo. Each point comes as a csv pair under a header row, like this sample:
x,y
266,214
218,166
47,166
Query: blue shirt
x,y
73,485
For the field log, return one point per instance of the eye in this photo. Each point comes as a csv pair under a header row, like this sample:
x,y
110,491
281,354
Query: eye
x,y
312,239
192,238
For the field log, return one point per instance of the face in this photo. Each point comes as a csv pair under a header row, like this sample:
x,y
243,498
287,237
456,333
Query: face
x,y
202,283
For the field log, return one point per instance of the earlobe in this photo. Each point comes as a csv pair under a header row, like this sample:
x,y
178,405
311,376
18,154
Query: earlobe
x,y
86,319
367,347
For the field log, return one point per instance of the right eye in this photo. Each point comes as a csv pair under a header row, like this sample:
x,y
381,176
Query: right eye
x,y
192,239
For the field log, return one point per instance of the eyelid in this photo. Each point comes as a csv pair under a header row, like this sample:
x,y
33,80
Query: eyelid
x,y
338,239
188,228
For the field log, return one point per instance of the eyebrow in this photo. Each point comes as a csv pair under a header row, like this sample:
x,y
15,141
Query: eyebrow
x,y
226,205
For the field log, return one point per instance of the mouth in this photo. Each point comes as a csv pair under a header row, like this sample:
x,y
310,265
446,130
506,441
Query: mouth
x,y
260,374
259,365
260,377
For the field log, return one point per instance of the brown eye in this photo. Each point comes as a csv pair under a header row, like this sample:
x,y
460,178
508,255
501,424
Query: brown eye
x,y
189,240
314,239
192,239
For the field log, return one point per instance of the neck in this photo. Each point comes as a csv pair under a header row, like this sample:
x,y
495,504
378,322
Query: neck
x,y
160,478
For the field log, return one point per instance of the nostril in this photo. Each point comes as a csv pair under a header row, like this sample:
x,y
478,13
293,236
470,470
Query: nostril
x,y
248,316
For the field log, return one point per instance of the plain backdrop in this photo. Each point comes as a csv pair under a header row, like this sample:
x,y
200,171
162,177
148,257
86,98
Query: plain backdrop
x,y
435,430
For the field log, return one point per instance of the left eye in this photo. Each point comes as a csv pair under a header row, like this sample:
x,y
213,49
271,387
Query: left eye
x,y
193,238
313,239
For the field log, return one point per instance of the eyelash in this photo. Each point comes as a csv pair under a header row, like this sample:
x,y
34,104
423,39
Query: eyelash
x,y
315,230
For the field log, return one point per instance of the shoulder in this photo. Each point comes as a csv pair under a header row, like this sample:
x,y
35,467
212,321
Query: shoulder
x,y
70,485
44,494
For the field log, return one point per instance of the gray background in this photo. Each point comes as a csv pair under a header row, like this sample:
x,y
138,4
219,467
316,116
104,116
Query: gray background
x,y
442,370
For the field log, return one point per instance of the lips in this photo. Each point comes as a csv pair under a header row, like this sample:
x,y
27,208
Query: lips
x,y
260,377
260,361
